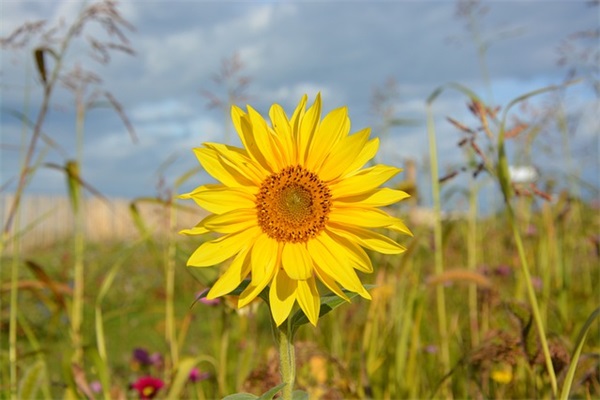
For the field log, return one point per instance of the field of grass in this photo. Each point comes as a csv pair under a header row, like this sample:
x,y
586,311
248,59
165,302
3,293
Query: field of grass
x,y
501,305
387,348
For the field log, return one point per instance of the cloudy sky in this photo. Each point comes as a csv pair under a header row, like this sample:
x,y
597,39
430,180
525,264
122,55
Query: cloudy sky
x,y
344,49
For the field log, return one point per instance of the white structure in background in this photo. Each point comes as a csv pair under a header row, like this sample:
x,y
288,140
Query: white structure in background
x,y
523,174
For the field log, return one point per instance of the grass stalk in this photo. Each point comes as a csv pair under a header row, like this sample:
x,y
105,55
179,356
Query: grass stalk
x,y
170,328
535,309
12,332
438,245
472,263
507,191
74,170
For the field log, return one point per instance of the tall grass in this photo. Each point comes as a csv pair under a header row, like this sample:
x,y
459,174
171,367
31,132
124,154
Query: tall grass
x,y
480,306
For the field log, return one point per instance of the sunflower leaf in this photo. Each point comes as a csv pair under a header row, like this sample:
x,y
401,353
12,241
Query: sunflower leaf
x,y
299,395
269,394
329,302
240,396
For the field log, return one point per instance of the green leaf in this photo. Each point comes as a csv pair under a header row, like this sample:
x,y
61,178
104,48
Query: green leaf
x,y
564,394
31,382
328,303
240,396
269,394
299,395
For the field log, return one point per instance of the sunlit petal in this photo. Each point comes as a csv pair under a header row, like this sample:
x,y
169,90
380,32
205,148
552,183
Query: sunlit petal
x,y
308,299
282,296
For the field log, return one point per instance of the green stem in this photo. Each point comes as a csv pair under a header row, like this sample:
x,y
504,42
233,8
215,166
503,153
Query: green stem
x,y
439,261
73,176
287,360
472,263
171,335
223,352
537,316
12,333
507,191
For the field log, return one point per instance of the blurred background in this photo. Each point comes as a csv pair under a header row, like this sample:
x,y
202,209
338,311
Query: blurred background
x,y
102,102
186,62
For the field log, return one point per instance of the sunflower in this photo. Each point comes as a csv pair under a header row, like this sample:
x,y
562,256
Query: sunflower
x,y
294,206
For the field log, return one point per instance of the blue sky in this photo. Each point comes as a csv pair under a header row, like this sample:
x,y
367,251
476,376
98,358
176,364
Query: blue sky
x,y
343,49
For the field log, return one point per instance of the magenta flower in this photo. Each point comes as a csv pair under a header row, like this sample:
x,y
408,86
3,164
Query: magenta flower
x,y
147,386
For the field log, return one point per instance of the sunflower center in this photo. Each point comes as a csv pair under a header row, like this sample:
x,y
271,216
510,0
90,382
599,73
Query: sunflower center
x,y
292,205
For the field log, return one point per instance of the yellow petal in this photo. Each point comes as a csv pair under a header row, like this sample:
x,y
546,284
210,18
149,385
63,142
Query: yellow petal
x,y
366,153
309,300
266,273
282,296
219,199
241,122
219,250
365,217
307,128
376,198
362,182
330,283
197,230
240,161
281,126
333,128
232,277
265,141
343,154
335,265
399,226
232,221
298,114
264,257
367,238
224,173
358,257
296,261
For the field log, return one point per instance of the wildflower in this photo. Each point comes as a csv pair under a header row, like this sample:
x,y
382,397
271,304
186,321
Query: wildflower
x,y
96,386
141,356
295,206
502,373
196,375
156,359
147,387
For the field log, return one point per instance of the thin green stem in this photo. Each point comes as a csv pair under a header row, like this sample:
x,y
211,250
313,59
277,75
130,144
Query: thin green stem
x,y
73,176
439,261
472,263
171,335
287,360
537,316
12,333
507,191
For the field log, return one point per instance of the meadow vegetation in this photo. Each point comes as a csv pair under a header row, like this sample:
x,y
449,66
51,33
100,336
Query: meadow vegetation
x,y
501,305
